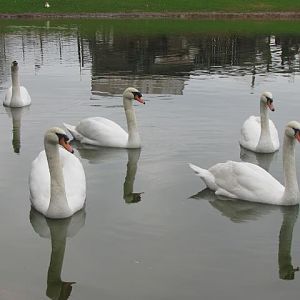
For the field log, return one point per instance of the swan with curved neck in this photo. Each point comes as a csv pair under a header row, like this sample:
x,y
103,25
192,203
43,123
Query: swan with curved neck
x,y
259,134
57,180
103,132
16,95
246,181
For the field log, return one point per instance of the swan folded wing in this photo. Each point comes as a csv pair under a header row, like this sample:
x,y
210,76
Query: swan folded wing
x,y
26,99
250,133
8,96
247,182
274,135
74,177
102,132
39,183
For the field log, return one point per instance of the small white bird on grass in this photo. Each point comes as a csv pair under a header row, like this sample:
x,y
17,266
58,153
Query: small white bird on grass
x,y
47,5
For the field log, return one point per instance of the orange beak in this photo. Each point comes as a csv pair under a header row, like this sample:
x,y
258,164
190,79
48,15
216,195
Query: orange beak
x,y
139,99
66,144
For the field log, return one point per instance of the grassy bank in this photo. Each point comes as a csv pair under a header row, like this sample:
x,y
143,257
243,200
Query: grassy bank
x,y
98,6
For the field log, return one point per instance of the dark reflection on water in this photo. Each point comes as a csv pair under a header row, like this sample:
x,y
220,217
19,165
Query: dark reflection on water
x,y
57,231
244,211
98,155
16,113
156,62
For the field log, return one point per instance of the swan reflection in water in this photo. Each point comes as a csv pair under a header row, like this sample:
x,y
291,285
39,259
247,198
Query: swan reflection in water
x,y
261,159
16,113
243,211
97,155
57,230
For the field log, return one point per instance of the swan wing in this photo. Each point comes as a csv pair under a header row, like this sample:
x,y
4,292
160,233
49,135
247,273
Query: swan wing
x,y
75,182
102,132
274,135
246,181
26,99
7,97
250,133
39,183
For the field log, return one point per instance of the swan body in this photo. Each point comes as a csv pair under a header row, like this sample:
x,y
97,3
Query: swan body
x,y
16,95
259,134
103,132
246,181
57,180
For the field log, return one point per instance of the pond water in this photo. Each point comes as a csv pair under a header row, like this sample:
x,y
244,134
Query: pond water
x,y
171,241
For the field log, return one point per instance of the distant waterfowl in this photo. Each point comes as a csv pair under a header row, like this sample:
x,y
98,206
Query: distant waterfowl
x,y
103,132
246,181
57,180
47,5
16,95
259,134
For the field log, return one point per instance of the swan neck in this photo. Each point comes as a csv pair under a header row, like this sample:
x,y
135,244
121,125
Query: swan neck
x,y
291,193
58,206
264,121
133,134
16,91
15,78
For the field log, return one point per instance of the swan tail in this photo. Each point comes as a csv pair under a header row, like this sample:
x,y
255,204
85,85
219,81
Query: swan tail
x,y
72,130
205,175
199,171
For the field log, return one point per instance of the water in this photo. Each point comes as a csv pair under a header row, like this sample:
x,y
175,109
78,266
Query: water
x,y
147,231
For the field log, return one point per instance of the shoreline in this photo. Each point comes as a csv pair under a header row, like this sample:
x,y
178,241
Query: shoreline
x,y
160,15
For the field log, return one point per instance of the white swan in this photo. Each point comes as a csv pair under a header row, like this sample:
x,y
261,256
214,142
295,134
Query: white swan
x,y
16,95
57,180
259,134
103,132
246,181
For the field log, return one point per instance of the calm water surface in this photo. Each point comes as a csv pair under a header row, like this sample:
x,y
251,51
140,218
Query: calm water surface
x,y
172,241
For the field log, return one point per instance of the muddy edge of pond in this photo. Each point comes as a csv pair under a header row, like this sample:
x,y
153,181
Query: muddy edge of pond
x,y
157,15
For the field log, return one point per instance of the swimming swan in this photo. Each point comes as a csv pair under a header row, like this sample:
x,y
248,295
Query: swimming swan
x,y
16,95
259,134
246,181
103,132
57,180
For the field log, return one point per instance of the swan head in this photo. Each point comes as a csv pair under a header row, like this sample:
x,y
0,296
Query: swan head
x,y
267,99
132,93
56,135
292,130
14,66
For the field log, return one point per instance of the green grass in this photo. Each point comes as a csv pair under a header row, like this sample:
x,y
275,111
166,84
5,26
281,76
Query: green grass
x,y
90,6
